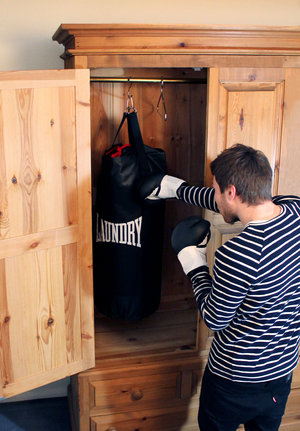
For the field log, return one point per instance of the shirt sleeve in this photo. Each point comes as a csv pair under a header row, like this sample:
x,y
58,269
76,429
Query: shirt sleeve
x,y
203,197
218,297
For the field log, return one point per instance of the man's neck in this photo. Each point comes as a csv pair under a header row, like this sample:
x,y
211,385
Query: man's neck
x,y
267,210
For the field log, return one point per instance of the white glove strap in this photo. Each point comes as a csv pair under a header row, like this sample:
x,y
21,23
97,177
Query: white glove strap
x,y
192,257
168,187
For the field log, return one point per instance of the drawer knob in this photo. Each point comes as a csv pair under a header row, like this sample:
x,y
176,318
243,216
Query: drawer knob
x,y
136,394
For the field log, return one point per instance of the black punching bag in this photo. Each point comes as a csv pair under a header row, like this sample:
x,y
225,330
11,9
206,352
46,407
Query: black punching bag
x,y
128,232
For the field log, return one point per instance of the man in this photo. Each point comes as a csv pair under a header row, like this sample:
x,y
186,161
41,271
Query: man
x,y
252,300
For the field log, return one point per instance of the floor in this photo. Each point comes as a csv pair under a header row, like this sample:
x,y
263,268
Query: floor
x,y
51,414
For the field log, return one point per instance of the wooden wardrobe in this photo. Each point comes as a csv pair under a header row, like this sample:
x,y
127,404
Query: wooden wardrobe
x,y
221,86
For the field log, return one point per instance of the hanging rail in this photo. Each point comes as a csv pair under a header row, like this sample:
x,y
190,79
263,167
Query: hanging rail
x,y
148,80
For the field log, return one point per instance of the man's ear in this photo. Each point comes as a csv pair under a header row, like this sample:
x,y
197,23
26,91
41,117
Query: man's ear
x,y
231,192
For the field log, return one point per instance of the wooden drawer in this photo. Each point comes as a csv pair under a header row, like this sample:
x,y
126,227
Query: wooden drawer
x,y
133,392
152,401
126,392
100,397
182,418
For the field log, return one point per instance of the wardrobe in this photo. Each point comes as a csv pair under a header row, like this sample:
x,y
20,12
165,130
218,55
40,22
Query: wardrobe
x,y
220,86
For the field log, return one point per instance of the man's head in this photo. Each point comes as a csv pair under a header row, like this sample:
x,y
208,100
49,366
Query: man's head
x,y
244,172
247,169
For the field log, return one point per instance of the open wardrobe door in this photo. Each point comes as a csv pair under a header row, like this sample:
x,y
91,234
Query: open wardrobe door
x,y
245,106
46,298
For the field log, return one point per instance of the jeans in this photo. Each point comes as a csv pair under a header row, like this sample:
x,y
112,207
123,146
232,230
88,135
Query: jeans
x,y
224,404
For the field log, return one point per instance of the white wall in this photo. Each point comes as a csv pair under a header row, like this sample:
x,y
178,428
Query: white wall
x,y
27,27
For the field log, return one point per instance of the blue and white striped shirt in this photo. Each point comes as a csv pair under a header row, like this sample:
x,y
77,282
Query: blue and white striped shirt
x,y
252,301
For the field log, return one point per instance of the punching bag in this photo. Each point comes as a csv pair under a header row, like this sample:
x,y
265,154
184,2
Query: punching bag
x,y
128,232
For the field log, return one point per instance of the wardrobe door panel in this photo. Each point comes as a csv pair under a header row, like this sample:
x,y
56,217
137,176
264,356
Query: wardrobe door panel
x,y
289,178
46,307
244,106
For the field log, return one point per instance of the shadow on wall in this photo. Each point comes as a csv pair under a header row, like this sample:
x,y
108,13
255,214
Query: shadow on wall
x,y
29,53
52,390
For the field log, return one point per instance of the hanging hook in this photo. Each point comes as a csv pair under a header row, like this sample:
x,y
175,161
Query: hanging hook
x,y
129,104
161,98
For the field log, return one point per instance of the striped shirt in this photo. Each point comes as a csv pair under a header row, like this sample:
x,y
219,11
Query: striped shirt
x,y
252,299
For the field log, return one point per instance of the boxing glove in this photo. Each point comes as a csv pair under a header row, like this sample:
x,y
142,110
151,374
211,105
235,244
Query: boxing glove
x,y
159,186
189,240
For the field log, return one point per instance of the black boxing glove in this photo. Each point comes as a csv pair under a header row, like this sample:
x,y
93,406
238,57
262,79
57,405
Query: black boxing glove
x,y
189,240
159,186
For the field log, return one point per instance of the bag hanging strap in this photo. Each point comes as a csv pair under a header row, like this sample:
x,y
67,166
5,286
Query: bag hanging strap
x,y
136,140
120,127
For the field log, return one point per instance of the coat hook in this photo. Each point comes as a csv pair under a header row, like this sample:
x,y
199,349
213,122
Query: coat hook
x,y
129,104
161,98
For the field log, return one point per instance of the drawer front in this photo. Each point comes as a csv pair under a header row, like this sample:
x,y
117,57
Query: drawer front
x,y
182,418
134,392
154,402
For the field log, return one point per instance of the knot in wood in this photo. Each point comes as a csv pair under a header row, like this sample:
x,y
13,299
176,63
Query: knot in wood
x,y
50,321
34,244
136,395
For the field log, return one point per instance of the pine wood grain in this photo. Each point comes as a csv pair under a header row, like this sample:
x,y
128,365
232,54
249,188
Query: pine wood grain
x,y
6,369
119,394
289,182
134,38
241,110
70,273
160,419
85,257
178,60
46,314
38,241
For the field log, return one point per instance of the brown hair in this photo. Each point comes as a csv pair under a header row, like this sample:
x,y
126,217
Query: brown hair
x,y
247,169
